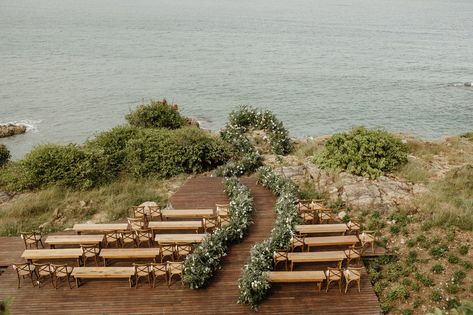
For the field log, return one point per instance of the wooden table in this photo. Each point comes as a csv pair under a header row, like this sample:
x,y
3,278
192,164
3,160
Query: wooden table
x,y
175,225
187,213
103,273
321,228
48,254
329,256
128,253
90,239
101,228
298,276
179,238
330,241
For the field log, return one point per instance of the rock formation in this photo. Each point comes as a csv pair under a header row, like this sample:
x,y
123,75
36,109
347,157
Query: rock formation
x,y
9,130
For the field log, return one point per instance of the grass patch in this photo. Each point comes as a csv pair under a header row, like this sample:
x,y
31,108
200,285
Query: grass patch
x,y
415,171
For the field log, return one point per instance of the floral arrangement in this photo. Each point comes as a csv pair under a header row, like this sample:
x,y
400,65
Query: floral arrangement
x,y
249,159
200,266
254,283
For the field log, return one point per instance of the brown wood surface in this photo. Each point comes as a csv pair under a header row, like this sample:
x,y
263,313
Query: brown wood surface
x,y
129,253
296,276
62,253
179,238
88,239
321,228
103,272
175,225
99,227
220,297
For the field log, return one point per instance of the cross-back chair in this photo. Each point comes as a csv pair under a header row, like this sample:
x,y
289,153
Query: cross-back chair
x,y
334,275
90,252
175,268
143,271
31,239
62,272
352,274
23,271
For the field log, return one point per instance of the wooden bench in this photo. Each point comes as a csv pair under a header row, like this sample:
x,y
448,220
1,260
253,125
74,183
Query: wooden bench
x,y
307,257
179,238
187,213
101,228
348,240
175,225
321,228
128,253
103,273
48,254
90,239
297,276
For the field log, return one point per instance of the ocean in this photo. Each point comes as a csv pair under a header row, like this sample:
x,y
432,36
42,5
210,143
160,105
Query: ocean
x,y
69,69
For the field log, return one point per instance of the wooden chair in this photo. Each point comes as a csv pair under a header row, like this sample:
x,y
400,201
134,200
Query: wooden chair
x,y
111,238
223,221
90,251
334,275
210,224
155,212
137,223
139,212
182,250
166,250
62,272
43,271
297,241
367,239
309,216
25,270
354,253
143,271
304,205
31,239
352,274
175,268
159,270
222,209
128,237
353,227
325,215
280,256
144,236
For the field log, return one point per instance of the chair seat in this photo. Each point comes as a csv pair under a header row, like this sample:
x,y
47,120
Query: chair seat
x,y
23,272
89,255
332,276
351,275
159,272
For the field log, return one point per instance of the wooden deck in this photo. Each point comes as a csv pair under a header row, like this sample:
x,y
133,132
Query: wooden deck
x,y
115,297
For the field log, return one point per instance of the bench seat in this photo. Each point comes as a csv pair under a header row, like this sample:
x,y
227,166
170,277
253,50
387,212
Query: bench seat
x,y
297,276
103,273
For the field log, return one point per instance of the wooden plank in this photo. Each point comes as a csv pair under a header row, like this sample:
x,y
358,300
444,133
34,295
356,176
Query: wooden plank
x,y
321,228
316,257
103,272
175,225
99,227
43,254
179,238
330,241
187,213
89,239
296,276
129,253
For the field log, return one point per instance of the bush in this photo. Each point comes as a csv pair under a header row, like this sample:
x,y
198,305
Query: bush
x,y
463,249
64,165
437,268
397,293
166,153
4,155
436,295
364,152
156,114
112,144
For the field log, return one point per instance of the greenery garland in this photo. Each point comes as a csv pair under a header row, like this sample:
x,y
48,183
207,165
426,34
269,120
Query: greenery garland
x,y
254,283
200,266
249,159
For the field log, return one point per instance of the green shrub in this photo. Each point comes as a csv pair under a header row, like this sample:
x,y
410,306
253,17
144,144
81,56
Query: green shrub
x,y
438,268
453,259
412,256
426,281
463,249
4,155
156,114
64,165
452,288
439,251
395,229
467,265
458,276
364,152
112,145
166,153
416,303
436,295
397,293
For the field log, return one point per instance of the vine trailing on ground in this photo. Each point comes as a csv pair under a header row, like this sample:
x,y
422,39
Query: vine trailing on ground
x,y
200,266
254,283
248,158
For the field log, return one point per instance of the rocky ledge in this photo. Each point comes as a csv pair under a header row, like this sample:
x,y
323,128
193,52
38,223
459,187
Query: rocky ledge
x,y
9,130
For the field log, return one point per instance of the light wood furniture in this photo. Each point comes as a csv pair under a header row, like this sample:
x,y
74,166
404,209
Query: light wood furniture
x,y
142,271
113,238
182,250
223,221
159,270
62,272
128,253
144,236
348,240
90,251
353,254
321,228
368,239
157,226
298,276
222,209
175,268
353,227
297,241
334,275
31,239
280,256
43,271
315,257
352,274
50,254
179,238
137,223
187,213
88,239
103,273
210,224
128,237
100,228
166,250
24,270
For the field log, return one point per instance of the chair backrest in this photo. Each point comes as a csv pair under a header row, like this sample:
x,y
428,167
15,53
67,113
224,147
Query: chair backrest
x,y
144,233
127,235
175,267
137,223
333,273
155,211
367,237
210,222
30,238
297,238
184,249
139,211
61,270
222,209
142,269
90,250
354,272
280,255
43,269
112,236
222,221
159,268
304,205
23,267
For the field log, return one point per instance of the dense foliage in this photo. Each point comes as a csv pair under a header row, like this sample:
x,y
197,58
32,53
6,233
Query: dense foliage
x,y
364,152
254,283
166,153
4,155
156,114
64,165
247,158
206,258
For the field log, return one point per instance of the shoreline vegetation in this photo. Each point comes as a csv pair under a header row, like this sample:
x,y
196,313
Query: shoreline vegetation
x,y
428,232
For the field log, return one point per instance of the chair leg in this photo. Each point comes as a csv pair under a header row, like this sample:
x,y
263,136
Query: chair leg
x,y
20,280
149,280
69,282
359,286
340,285
328,283
346,287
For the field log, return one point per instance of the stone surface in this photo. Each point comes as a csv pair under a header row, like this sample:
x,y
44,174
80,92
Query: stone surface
x,y
9,130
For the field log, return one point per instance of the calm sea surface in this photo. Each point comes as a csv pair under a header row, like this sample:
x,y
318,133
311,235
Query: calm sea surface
x,y
71,68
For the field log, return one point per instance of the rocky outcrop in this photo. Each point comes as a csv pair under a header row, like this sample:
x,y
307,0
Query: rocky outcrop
x,y
9,130
356,191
